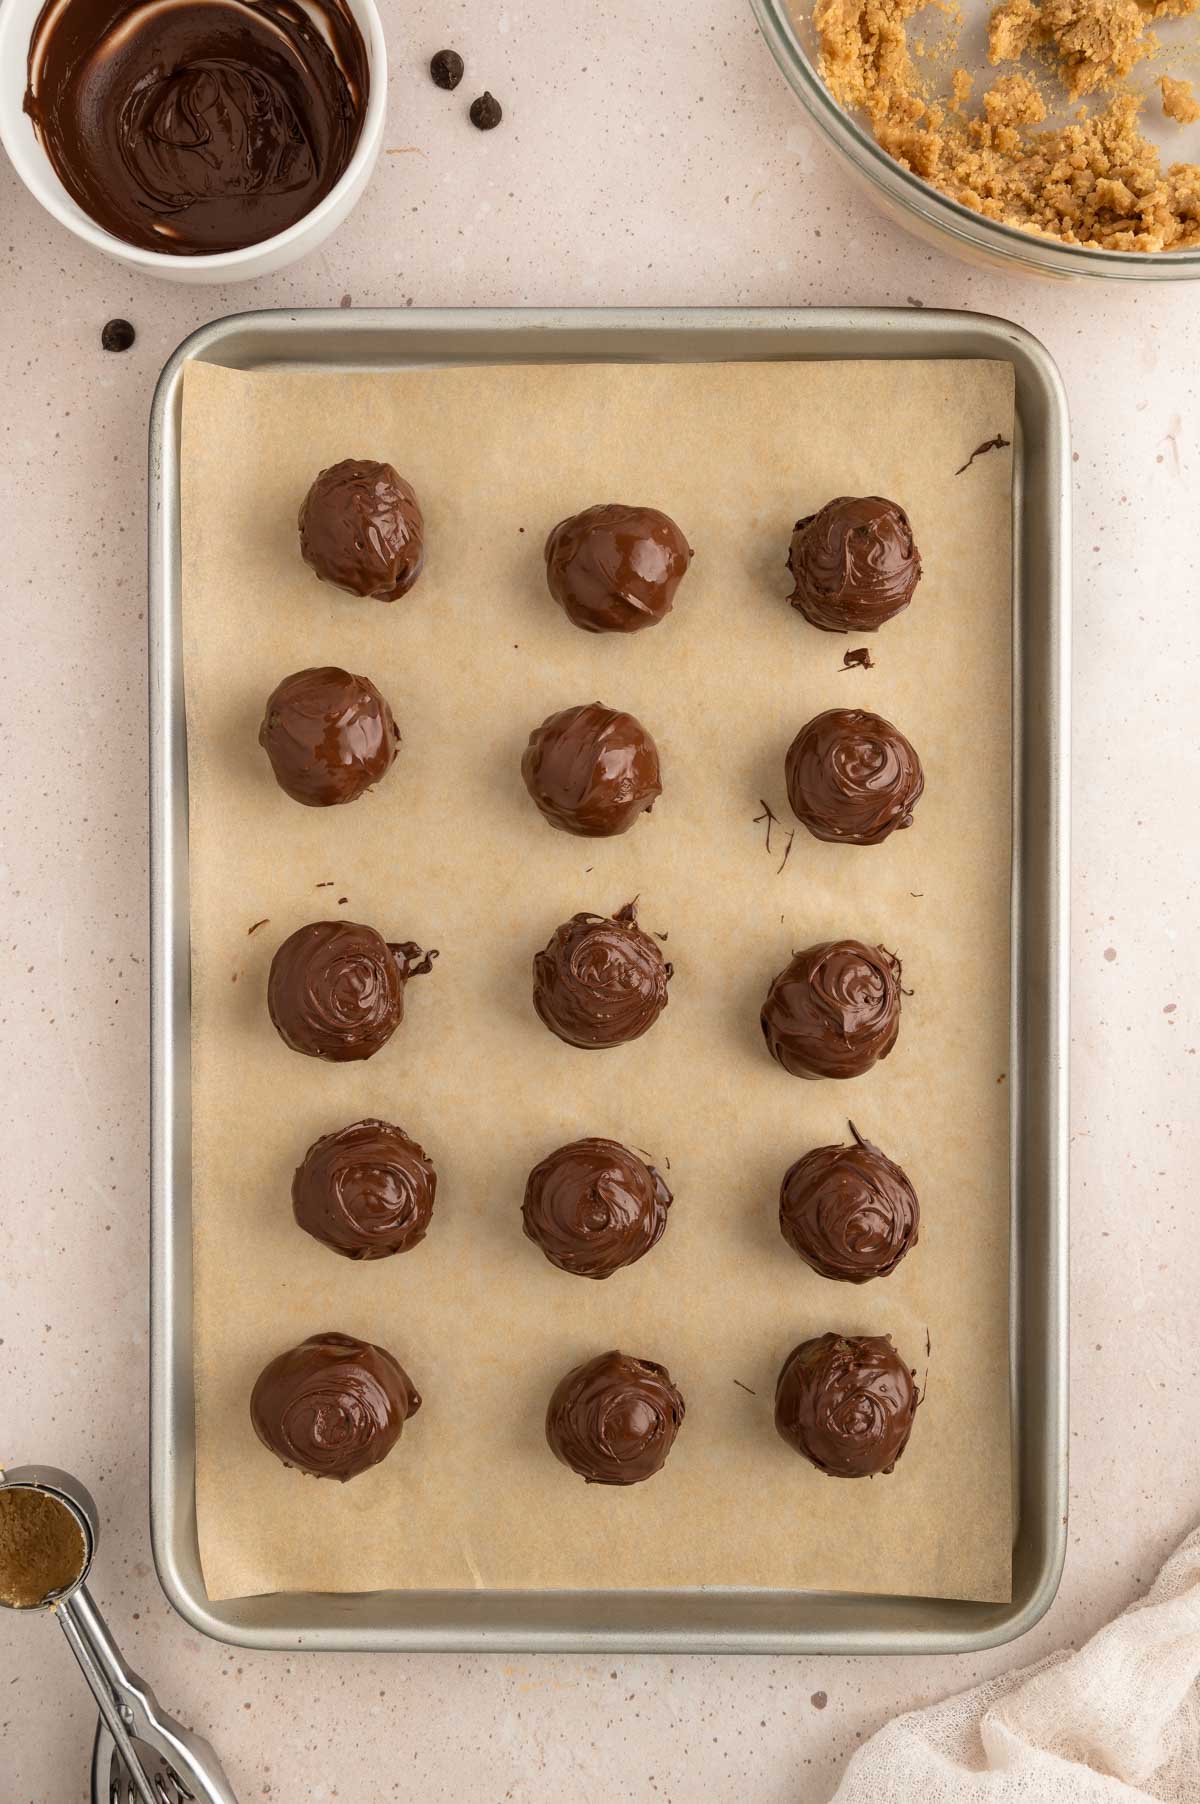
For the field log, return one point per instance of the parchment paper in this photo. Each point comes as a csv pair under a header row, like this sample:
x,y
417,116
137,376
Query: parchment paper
x,y
450,852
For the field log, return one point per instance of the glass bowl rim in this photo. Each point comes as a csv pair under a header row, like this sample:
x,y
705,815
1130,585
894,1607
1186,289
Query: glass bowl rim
x,y
1047,255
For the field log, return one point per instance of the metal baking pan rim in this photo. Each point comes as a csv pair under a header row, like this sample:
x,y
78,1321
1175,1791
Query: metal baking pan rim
x,y
709,1621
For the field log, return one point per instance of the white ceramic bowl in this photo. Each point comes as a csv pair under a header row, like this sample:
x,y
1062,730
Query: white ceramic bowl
x,y
17,20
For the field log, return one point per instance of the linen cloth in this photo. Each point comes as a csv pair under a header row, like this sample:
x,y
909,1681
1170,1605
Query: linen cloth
x,y
1116,1722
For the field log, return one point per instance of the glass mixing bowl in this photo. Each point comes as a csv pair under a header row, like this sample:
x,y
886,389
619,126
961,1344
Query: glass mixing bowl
x,y
920,208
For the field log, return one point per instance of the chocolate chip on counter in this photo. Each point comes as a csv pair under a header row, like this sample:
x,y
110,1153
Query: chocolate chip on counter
x,y
117,335
446,68
486,112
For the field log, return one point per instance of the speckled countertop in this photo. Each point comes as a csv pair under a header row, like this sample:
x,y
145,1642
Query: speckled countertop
x,y
649,155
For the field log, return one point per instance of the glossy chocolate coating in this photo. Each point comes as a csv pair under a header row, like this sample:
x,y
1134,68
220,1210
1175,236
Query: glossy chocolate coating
x,y
202,126
615,569
334,1406
601,981
361,529
593,1206
852,778
855,564
834,1010
614,1419
336,989
848,1211
366,1191
846,1403
329,736
592,770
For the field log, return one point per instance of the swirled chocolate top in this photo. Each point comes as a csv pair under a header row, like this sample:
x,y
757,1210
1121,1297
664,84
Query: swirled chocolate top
x,y
834,1010
846,1403
366,1191
334,1406
336,989
855,564
601,981
593,1206
614,1419
852,777
849,1211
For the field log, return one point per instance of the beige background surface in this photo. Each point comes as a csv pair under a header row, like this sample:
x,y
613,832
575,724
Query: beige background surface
x,y
450,851
625,131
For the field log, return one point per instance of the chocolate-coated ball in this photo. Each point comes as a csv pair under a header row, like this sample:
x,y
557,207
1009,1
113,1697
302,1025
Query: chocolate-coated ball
x,y
592,770
367,1191
855,564
846,1403
336,989
329,735
849,1211
614,1419
834,1010
601,981
594,1206
361,529
852,777
334,1406
615,569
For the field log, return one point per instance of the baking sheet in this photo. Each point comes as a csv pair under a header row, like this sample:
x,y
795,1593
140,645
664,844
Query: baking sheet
x,y
449,851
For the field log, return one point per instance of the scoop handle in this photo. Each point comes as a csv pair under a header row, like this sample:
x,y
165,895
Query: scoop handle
x,y
107,1677
140,1714
188,1756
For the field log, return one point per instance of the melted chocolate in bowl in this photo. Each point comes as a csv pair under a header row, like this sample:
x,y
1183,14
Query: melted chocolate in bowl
x,y
193,127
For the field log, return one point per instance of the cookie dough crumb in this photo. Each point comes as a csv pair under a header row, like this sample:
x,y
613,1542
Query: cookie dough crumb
x,y
1097,42
921,148
865,58
1096,182
1178,100
1011,30
1013,100
1094,42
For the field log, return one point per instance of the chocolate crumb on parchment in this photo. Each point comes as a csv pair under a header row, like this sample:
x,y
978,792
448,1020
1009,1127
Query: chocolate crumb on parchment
x,y
989,444
772,820
769,816
858,659
745,1387
255,925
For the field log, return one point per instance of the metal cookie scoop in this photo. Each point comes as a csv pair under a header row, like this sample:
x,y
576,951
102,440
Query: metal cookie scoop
x,y
141,1755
